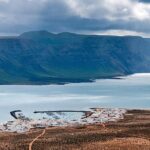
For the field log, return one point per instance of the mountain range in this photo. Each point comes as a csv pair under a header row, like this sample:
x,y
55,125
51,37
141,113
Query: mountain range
x,y
40,57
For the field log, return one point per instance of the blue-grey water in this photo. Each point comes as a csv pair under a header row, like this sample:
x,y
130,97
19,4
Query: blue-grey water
x,y
128,92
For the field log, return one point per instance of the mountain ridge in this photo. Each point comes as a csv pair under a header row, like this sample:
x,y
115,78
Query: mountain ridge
x,y
40,57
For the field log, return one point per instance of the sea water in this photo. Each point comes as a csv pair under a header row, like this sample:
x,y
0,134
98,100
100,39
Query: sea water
x,y
127,92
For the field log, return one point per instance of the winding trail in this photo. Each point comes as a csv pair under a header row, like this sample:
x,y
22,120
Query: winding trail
x,y
30,145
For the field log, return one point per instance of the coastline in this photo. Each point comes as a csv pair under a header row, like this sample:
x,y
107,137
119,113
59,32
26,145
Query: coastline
x,y
132,132
65,81
68,118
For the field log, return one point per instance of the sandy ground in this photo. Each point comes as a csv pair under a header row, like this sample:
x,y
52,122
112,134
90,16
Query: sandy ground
x,y
131,133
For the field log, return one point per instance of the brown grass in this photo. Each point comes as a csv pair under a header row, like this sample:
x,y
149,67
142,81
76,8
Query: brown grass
x,y
132,133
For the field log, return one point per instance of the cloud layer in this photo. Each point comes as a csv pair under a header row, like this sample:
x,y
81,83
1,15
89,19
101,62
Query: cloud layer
x,y
83,16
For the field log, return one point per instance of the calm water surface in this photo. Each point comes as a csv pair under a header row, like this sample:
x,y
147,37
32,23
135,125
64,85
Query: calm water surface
x,y
129,92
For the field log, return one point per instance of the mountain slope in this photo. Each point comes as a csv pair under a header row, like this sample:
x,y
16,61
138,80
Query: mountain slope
x,y
40,57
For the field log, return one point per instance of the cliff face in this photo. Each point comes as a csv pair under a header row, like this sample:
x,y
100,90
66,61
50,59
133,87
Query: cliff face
x,y
42,57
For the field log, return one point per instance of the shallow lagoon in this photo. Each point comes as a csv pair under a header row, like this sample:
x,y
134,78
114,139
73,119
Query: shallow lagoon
x,y
128,92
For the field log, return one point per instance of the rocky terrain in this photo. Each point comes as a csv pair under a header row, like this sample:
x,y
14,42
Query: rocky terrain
x,y
132,133
62,118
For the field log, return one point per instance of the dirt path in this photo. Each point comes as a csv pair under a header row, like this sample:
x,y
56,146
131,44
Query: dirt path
x,y
30,145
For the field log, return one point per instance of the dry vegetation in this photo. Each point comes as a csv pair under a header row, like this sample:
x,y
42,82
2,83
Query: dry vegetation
x,y
132,133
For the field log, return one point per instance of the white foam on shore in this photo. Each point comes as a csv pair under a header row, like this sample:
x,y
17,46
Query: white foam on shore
x,y
97,115
140,75
136,75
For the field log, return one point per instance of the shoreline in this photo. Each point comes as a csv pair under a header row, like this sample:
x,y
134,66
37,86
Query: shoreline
x,y
65,81
65,118
132,132
68,118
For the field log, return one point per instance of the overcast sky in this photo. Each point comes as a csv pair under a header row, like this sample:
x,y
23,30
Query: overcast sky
x,y
119,17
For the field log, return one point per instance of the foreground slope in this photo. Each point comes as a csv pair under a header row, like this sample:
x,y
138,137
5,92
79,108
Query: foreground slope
x,y
41,57
132,133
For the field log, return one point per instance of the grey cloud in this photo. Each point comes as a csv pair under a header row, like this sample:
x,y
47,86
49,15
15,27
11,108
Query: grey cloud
x,y
17,16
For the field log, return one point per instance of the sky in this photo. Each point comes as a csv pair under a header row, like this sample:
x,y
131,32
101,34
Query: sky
x,y
113,17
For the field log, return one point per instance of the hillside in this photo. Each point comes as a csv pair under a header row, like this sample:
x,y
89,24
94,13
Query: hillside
x,y
41,57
